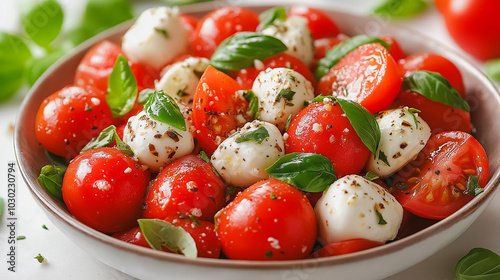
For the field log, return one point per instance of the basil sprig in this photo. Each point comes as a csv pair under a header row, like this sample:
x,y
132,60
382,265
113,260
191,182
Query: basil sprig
x,y
268,17
334,54
106,138
401,8
122,88
240,50
253,103
255,135
51,177
305,171
163,108
478,264
159,233
435,87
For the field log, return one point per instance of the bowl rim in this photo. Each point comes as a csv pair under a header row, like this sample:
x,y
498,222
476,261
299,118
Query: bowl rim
x,y
44,201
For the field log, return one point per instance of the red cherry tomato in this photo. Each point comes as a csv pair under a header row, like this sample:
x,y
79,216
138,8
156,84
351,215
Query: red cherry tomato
x,y
474,25
69,118
269,220
190,22
216,26
321,46
323,128
320,24
104,189
216,107
246,77
346,247
438,116
435,63
368,75
188,186
434,185
132,236
396,51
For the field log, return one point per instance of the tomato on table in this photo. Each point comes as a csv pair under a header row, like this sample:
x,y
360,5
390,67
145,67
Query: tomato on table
x,y
218,25
367,75
435,185
323,128
258,224
70,117
218,110
320,24
104,189
434,63
187,186
345,247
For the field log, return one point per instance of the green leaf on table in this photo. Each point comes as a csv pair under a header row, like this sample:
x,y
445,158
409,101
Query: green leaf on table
x,y
38,65
51,178
401,8
242,49
122,88
268,17
492,68
14,57
340,50
163,108
42,20
159,233
435,87
305,171
478,264
106,138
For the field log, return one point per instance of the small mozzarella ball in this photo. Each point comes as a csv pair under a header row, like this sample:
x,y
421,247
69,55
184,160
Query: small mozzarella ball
x,y
243,164
154,143
156,37
271,87
353,207
401,140
181,78
295,34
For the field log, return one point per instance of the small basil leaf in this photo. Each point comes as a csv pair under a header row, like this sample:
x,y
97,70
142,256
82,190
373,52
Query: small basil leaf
x,y
204,156
106,138
159,233
256,135
363,122
56,160
288,121
14,57
122,88
286,94
321,98
435,87
163,108
371,176
253,103
268,17
401,8
42,21
240,50
382,157
51,178
479,263
144,95
334,54
195,221
473,186
163,32
492,68
380,218
305,171
412,111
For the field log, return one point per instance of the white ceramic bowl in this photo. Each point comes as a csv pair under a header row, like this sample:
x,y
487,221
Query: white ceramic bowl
x,y
370,264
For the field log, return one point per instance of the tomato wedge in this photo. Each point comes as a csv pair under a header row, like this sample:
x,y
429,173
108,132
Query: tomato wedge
x,y
436,184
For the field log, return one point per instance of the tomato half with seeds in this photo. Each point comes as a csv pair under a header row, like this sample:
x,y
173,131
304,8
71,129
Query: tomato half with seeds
x,y
368,75
436,184
218,109
346,247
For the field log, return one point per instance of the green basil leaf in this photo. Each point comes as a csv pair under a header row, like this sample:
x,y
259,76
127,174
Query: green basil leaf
x,y
144,95
492,68
321,98
106,138
473,186
434,86
363,122
268,17
37,66
305,171
371,176
163,108
195,221
401,8
56,160
382,157
240,50
256,135
14,57
253,103
42,21
479,263
51,178
122,88
380,218
334,54
159,233
288,121
204,156
286,94
412,111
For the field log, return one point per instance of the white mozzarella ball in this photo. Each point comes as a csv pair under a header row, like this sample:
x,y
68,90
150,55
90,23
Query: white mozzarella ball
x,y
156,37
154,143
353,207
403,136
181,78
295,34
281,91
243,164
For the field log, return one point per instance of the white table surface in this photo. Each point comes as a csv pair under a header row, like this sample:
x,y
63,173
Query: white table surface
x,y
67,261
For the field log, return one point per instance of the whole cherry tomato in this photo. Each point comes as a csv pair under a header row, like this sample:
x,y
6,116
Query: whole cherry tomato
x,y
320,25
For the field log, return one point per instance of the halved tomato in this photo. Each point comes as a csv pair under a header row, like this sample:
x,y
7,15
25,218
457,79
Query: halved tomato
x,y
345,247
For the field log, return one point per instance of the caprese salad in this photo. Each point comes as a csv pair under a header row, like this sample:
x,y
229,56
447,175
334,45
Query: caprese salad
x,y
267,136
